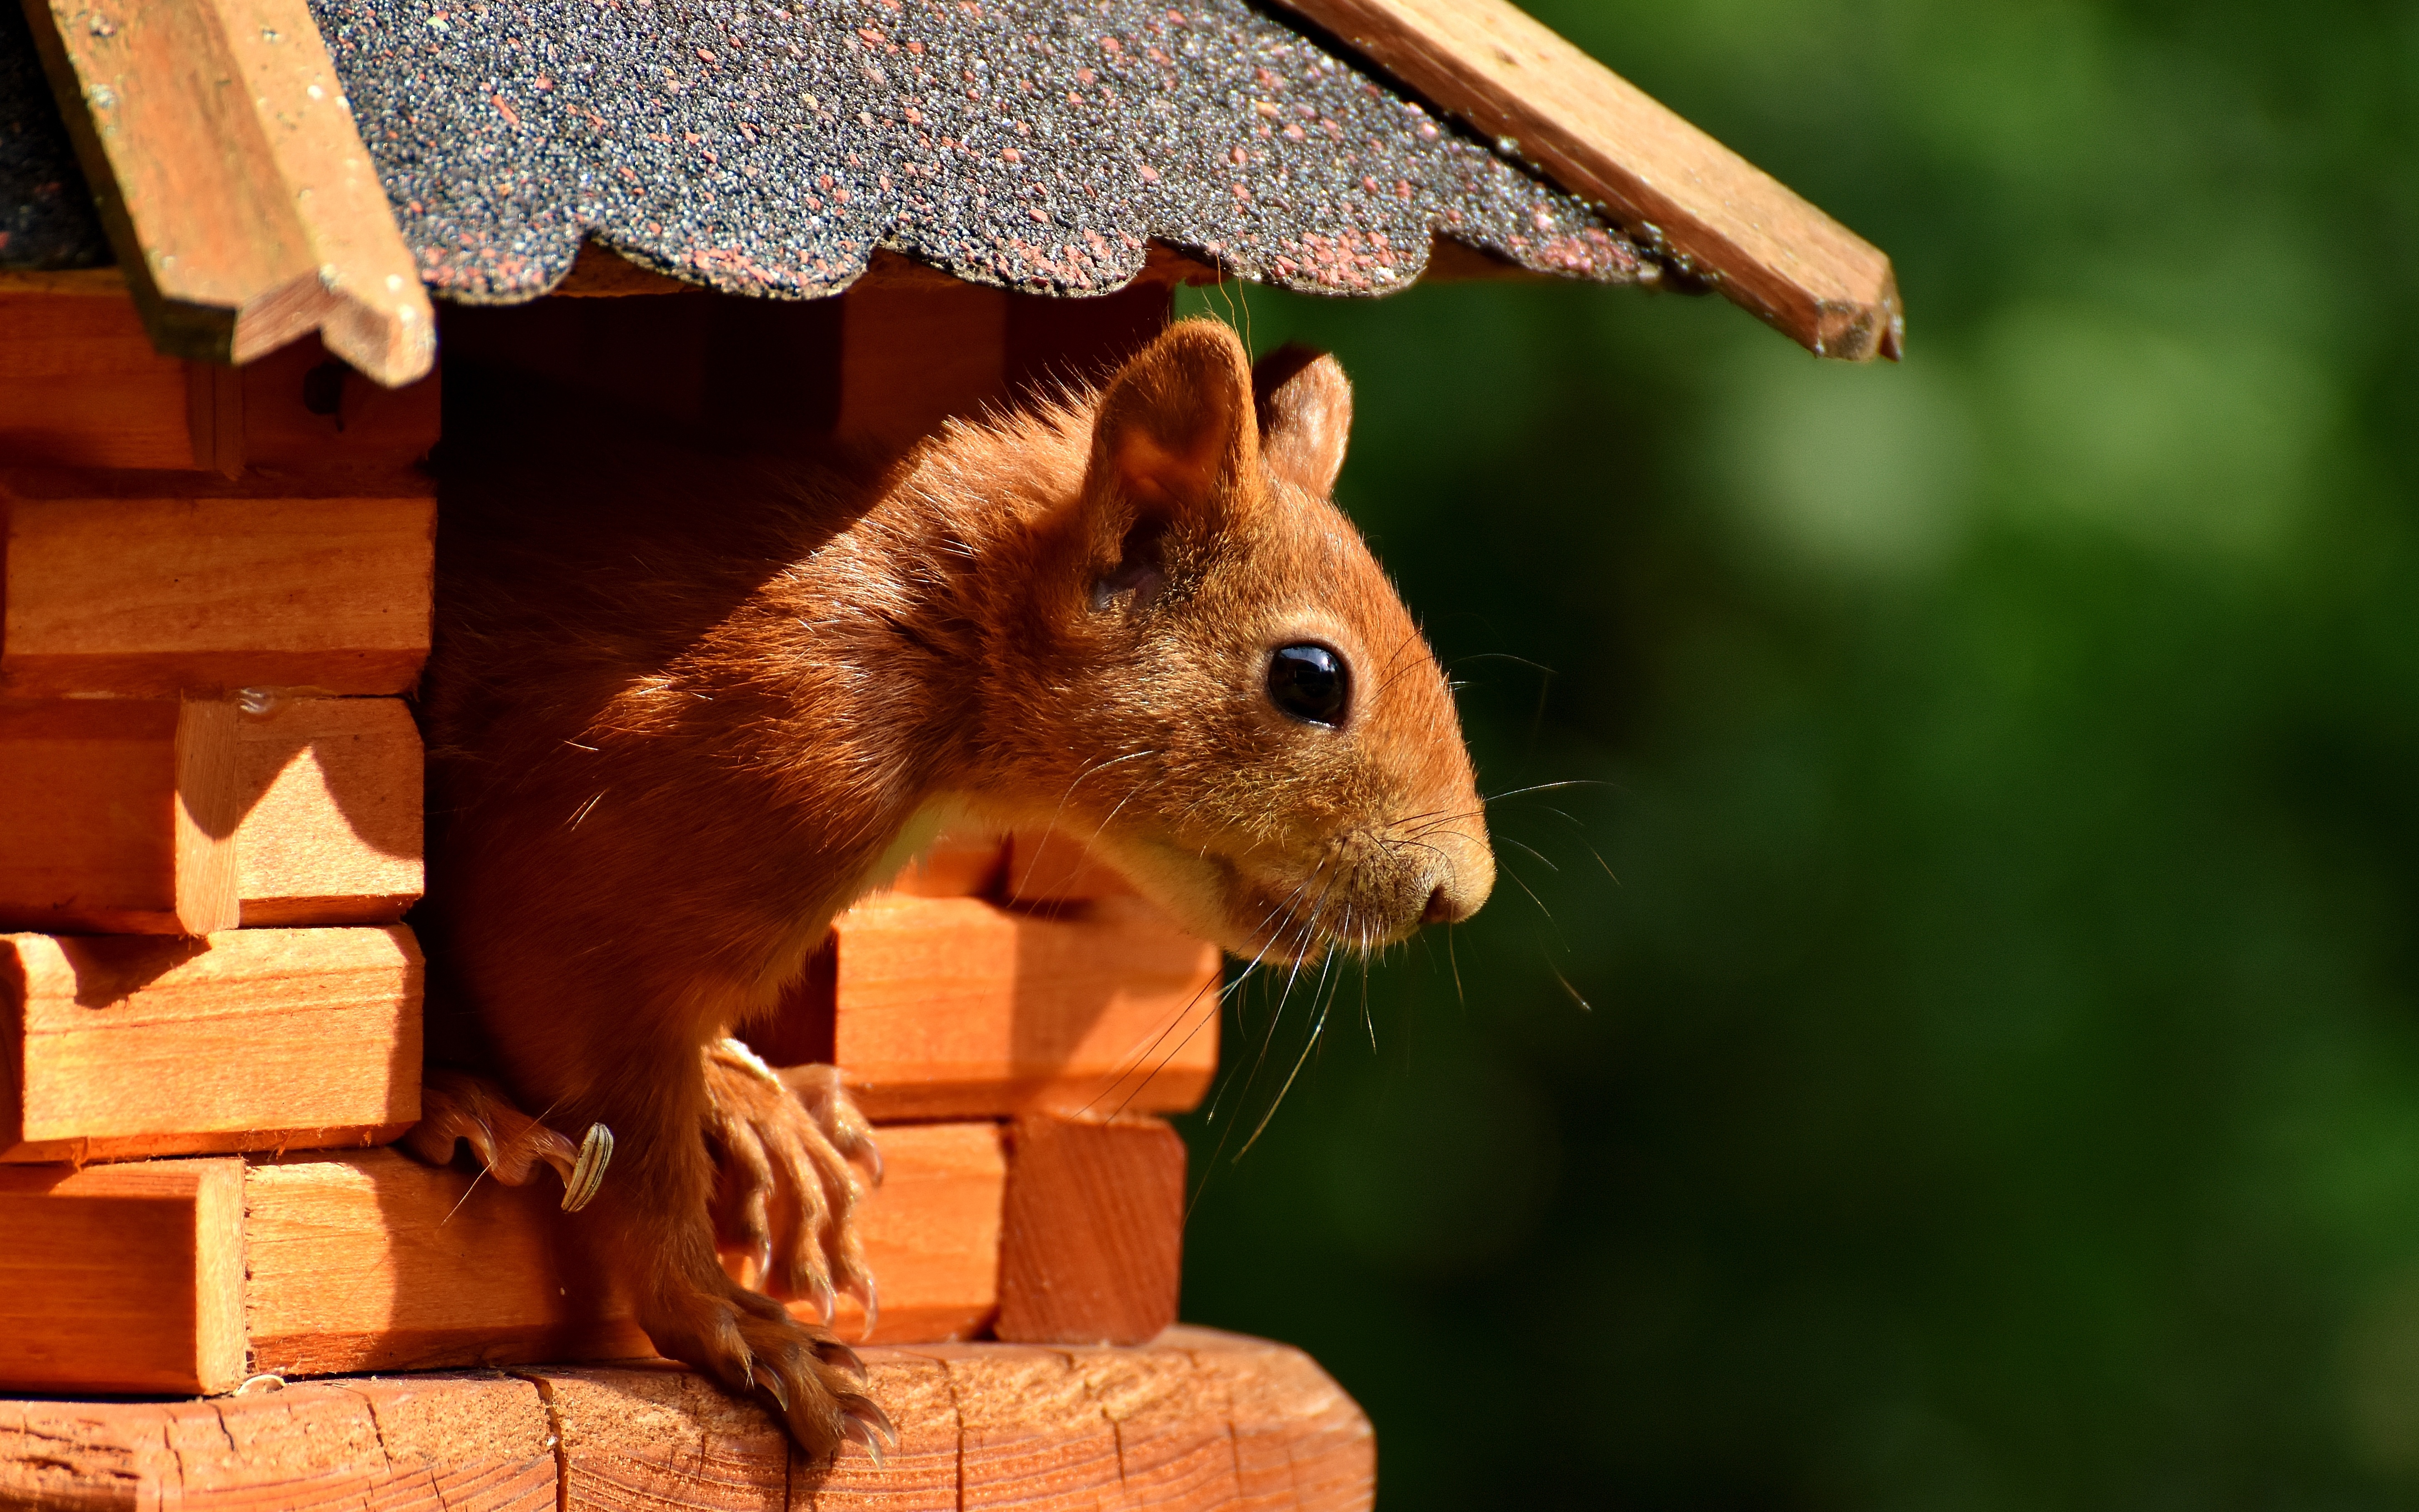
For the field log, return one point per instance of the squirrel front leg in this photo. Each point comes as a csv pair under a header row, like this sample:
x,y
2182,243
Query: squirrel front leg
x,y
651,1229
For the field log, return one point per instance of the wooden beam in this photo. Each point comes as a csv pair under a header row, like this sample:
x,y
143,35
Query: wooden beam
x,y
959,1008
1197,1420
118,814
1093,1245
81,386
233,183
330,790
374,1261
916,352
418,1444
151,597
1051,867
1663,179
122,1278
251,1039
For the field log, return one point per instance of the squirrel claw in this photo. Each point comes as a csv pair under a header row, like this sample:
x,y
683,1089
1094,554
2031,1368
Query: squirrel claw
x,y
869,1426
865,1291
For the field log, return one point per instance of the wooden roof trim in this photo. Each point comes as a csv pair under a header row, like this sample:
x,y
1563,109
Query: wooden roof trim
x,y
1667,182
233,182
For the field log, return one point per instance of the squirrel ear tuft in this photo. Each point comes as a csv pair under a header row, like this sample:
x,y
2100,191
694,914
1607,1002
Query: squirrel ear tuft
x,y
1304,404
1175,433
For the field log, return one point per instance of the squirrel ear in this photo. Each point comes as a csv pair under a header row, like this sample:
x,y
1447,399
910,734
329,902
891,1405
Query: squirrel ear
x,y
1304,403
1175,433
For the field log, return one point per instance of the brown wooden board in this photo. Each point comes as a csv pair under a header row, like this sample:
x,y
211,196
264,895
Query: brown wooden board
x,y
1054,865
118,1046
158,596
480,1443
957,1007
1667,182
330,792
915,354
1093,1244
81,386
234,186
1194,1422
117,814
122,1278
377,1262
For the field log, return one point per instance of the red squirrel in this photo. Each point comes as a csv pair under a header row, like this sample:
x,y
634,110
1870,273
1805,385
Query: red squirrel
x,y
680,715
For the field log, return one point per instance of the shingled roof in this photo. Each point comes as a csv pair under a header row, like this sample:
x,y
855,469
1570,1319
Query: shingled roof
x,y
774,147
762,148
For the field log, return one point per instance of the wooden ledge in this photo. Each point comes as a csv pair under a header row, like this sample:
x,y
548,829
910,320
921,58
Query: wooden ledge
x,y
1195,1420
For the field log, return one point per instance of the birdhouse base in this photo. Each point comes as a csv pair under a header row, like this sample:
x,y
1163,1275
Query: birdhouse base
x,y
1194,1420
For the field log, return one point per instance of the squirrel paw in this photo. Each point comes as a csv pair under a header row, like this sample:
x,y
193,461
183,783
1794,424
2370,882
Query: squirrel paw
x,y
455,1106
750,1342
785,1194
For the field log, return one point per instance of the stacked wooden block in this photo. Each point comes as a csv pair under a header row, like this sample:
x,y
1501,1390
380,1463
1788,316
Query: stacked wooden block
x,y
216,587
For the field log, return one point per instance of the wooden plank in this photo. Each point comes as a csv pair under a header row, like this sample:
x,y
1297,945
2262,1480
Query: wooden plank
x,y
234,186
330,790
303,409
982,1426
1093,1244
957,1007
1030,1434
1298,1441
117,814
251,1039
1606,141
81,387
1053,866
956,865
476,1442
639,1440
122,1278
932,1234
921,1472
915,353
150,597
376,1262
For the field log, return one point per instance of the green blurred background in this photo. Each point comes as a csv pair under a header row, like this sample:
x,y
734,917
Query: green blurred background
x,y
2000,1086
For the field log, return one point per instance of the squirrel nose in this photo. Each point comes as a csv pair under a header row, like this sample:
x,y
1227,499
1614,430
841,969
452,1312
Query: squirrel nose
x,y
1444,908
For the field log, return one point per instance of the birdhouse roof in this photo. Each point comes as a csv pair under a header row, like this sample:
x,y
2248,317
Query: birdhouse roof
x,y
773,148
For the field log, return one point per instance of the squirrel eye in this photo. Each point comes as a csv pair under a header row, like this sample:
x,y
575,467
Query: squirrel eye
x,y
1310,683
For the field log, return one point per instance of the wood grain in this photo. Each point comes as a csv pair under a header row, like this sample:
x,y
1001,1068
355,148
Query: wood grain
x,y
959,1008
1665,181
234,186
425,1444
81,387
117,814
1194,1422
122,1278
915,352
152,597
116,1047
1093,1243
373,1261
932,1234
330,790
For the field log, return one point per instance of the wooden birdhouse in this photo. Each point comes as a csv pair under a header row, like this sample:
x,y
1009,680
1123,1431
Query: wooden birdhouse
x,y
251,251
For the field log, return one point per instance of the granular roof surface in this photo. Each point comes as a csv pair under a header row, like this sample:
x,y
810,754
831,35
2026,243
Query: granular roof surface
x,y
767,147
771,148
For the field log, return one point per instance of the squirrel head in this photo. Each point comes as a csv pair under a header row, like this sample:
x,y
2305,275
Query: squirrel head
x,y
1208,675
